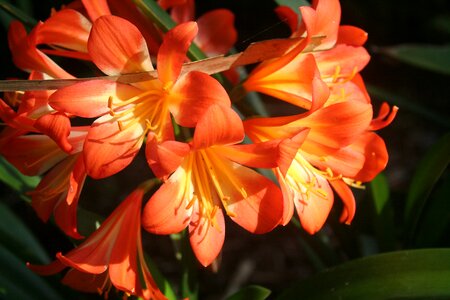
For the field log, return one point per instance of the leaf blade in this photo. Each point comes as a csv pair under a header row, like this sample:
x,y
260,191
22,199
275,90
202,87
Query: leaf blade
x,y
402,274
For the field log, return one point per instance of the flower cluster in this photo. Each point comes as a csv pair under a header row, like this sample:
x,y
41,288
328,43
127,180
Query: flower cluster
x,y
207,172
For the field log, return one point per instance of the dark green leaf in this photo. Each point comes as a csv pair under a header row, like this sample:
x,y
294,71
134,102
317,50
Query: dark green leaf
x,y
427,174
18,239
436,218
17,13
16,180
430,57
383,215
253,292
396,275
18,282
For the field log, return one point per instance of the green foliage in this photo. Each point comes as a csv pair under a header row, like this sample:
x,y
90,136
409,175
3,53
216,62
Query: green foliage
x,y
400,275
18,282
18,239
253,292
16,180
434,58
20,12
427,174
383,213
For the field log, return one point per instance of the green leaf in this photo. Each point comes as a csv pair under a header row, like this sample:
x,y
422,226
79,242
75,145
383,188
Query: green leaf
x,y
427,174
17,13
254,292
383,215
430,57
395,275
293,4
20,240
435,223
18,282
162,282
16,180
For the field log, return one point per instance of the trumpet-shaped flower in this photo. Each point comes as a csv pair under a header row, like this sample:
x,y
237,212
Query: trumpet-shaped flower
x,y
216,32
128,112
66,32
289,77
115,248
209,179
60,188
337,149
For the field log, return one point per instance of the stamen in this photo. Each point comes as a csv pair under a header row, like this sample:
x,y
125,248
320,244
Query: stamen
x,y
219,165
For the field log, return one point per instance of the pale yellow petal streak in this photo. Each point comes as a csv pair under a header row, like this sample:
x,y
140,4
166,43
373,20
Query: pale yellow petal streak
x,y
220,172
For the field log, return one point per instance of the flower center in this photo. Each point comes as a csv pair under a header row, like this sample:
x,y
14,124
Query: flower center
x,y
338,77
148,109
305,179
209,173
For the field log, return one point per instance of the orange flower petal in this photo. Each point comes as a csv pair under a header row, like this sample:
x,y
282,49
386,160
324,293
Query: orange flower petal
x,y
166,212
66,209
341,62
66,28
172,53
206,240
117,47
129,10
288,198
25,54
108,149
219,126
96,9
85,282
282,79
255,203
57,127
216,32
182,11
345,193
376,156
335,126
33,154
327,19
351,35
259,155
164,158
90,99
313,208
192,95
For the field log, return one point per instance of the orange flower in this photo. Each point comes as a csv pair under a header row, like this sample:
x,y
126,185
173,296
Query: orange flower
x,y
289,78
209,177
66,29
115,248
216,32
128,112
60,188
338,150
